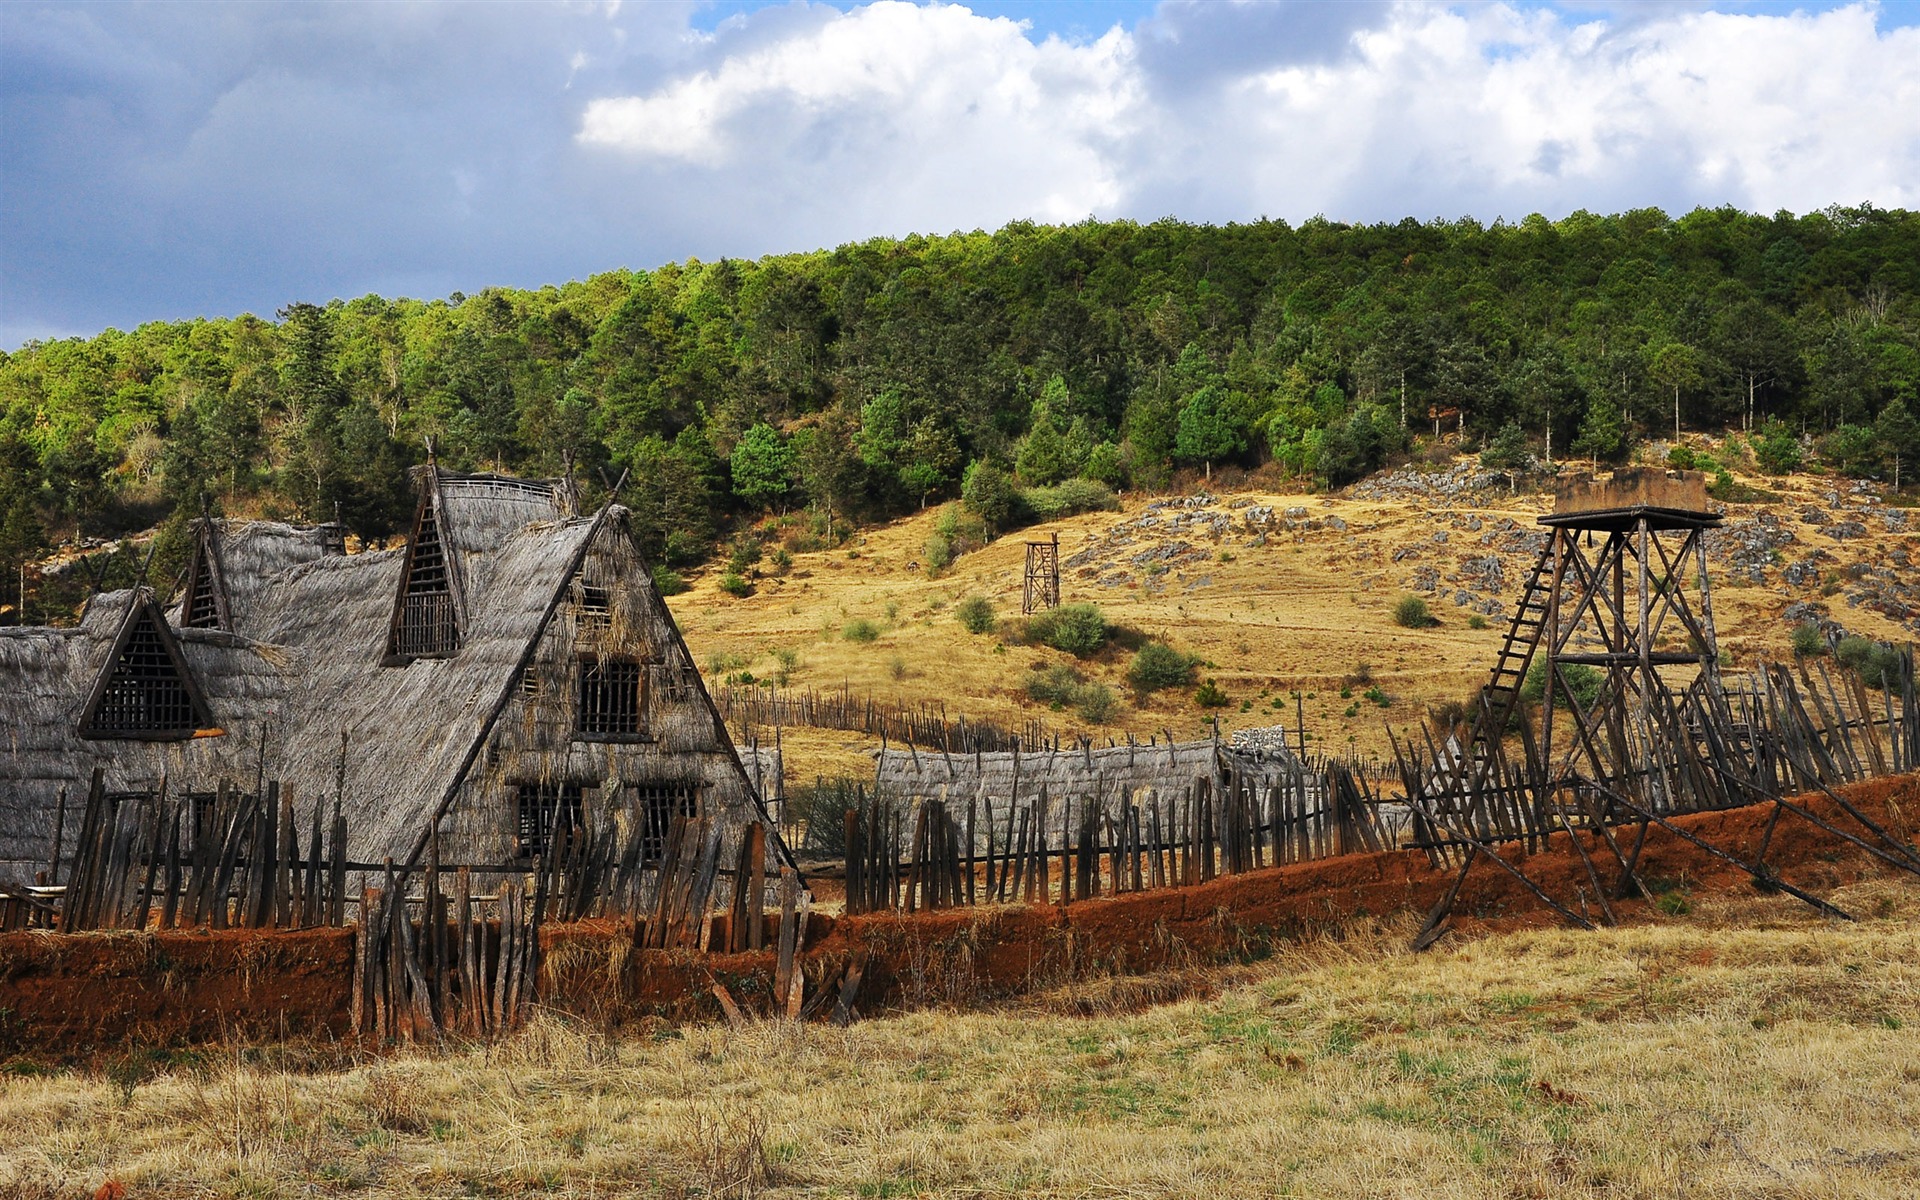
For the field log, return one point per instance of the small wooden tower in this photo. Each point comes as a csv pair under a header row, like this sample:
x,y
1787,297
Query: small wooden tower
x,y
1042,587
1620,587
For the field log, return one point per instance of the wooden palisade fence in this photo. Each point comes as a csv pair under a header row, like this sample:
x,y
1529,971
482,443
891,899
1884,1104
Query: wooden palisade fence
x,y
934,853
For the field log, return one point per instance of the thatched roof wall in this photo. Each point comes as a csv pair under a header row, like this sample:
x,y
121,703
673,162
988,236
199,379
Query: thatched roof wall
x,y
1166,768
303,691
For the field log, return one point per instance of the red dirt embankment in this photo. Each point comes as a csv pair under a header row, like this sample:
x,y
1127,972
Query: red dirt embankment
x,y
61,993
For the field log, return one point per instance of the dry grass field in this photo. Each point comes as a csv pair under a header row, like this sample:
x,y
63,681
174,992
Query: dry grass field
x,y
1295,610
1744,1048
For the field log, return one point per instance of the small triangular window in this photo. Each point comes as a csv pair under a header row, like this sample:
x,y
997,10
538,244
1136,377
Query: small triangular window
x,y
426,624
146,692
205,606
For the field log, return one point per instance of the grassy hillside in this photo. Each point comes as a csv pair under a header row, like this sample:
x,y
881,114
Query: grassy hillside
x,y
1271,610
1744,1048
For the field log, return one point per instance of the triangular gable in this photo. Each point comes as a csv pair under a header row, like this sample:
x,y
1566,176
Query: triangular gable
x,y
204,603
145,689
429,611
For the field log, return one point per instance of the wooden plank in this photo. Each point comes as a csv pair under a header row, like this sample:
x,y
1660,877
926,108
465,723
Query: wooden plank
x,y
756,887
789,938
170,904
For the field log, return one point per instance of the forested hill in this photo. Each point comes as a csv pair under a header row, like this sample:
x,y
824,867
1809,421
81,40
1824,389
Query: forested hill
x,y
872,377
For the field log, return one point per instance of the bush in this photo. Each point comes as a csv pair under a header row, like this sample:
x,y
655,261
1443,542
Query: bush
x,y
1852,450
1097,704
1507,451
1078,629
860,630
1157,665
1681,458
939,553
975,614
1585,683
1412,613
746,552
1776,449
1877,663
1476,621
1210,696
734,585
1069,497
668,582
1808,640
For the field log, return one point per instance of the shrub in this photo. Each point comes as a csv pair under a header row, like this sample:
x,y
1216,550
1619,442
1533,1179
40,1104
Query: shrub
x,y
1157,665
1476,621
860,630
1097,704
668,582
782,561
1583,681
1058,685
1507,451
1808,641
746,552
1078,629
939,553
1210,696
1877,663
1852,450
1681,458
975,614
733,584
1412,613
1776,449
1378,695
1069,497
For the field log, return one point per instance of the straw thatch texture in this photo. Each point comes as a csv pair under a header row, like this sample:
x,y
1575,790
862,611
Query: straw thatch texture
x,y
304,697
1112,773
248,559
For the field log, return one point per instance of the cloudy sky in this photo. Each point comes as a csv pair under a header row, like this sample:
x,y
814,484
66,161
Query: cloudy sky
x,y
170,160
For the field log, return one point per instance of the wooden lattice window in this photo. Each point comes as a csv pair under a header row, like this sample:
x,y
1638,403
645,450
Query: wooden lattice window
x,y
612,698
146,694
657,804
427,625
206,601
547,813
596,609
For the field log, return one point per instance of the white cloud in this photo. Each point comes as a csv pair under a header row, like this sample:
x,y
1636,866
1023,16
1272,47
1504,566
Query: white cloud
x,y
934,117
959,119
167,160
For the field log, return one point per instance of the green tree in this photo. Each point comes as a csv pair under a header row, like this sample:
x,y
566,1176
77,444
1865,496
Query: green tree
x,y
1603,433
763,466
1899,435
1206,432
1678,366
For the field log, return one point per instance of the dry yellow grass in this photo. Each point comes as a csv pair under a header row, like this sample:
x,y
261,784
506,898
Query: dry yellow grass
x,y
1746,1049
1289,614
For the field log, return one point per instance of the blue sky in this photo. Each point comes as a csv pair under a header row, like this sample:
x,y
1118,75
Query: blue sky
x,y
171,160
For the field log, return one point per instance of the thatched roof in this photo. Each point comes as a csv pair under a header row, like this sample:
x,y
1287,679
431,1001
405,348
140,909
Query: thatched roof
x,y
297,690
1165,768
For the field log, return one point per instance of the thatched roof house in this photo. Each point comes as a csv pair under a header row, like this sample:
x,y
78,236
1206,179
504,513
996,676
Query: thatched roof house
x,y
511,660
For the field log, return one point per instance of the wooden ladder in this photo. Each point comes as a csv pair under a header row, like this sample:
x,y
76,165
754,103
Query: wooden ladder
x,y
1502,692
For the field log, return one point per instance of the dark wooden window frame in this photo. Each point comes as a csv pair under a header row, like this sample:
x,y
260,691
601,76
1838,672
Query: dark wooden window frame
x,y
656,802
610,699
536,807
429,609
155,698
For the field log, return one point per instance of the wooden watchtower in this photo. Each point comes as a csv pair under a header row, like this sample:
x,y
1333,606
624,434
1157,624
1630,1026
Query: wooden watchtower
x,y
1042,585
1620,587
